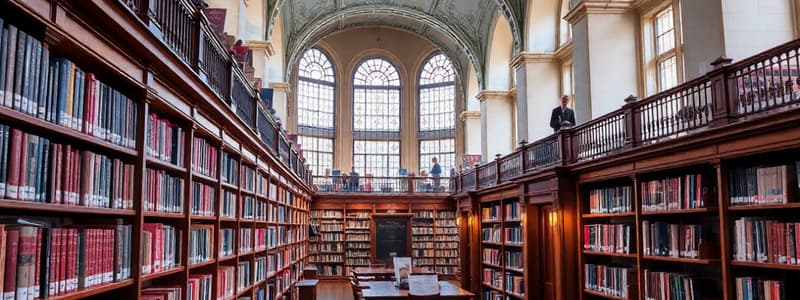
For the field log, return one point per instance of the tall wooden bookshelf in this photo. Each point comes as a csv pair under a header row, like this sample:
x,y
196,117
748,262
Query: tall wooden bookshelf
x,y
93,51
501,248
328,247
357,239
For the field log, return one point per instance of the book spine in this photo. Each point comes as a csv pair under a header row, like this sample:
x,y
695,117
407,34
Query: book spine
x,y
11,266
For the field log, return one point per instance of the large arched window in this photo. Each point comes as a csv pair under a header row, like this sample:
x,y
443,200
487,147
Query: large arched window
x,y
376,118
437,100
315,109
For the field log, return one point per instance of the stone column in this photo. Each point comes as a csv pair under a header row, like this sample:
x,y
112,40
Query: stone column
x,y
538,86
497,123
473,136
280,100
605,55
262,51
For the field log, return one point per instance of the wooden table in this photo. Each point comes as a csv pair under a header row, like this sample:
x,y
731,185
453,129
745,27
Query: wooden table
x,y
385,290
387,272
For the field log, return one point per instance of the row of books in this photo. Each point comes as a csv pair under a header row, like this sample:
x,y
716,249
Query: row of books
x,y
513,259
330,247
609,280
32,168
435,245
491,213
245,240
493,277
672,240
204,157
201,239
447,270
327,213
165,141
657,285
160,247
749,288
229,172
226,242
243,279
37,83
228,204
164,192
766,241
357,253
202,199
226,284
514,284
331,227
199,287
513,211
610,200
491,256
335,258
448,230
358,223
423,214
761,185
673,193
513,235
44,260
162,293
357,245
446,223
253,209
248,178
330,270
491,234
360,237
609,238
422,230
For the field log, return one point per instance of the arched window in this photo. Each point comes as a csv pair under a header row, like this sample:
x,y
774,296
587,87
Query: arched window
x,y
315,109
376,118
437,100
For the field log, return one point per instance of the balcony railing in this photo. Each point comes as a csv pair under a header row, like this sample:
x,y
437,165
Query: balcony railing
x,y
185,30
368,184
766,83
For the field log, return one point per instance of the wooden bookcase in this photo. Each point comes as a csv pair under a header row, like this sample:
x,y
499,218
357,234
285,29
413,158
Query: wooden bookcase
x,y
502,234
328,247
357,238
197,117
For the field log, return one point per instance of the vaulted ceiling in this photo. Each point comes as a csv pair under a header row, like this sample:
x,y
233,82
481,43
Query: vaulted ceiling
x,y
461,28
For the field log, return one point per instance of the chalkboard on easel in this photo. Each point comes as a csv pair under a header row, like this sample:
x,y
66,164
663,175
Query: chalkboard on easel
x,y
391,235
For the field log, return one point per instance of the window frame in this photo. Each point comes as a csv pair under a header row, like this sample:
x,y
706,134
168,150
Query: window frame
x,y
377,134
362,170
438,155
651,59
441,132
317,152
314,131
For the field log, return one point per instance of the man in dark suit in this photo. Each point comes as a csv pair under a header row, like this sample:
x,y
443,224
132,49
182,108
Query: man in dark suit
x,y
561,114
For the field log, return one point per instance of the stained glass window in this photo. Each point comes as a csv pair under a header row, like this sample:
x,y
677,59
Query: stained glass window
x,y
318,153
379,158
376,97
315,91
437,95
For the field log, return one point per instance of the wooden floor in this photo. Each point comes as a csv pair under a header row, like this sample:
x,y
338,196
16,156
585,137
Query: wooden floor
x,y
340,290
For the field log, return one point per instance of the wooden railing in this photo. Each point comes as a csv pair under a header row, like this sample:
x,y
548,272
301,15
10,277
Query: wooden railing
x,y
185,30
370,184
764,84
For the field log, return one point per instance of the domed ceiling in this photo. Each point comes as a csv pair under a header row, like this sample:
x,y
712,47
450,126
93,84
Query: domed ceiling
x,y
461,28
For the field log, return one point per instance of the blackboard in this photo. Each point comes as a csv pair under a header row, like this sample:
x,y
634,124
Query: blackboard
x,y
391,235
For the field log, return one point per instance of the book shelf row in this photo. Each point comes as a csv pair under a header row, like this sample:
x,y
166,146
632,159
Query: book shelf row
x,y
672,231
152,201
501,245
343,240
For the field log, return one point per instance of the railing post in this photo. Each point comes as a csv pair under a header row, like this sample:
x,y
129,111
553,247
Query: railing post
x,y
497,168
633,135
201,49
523,155
724,104
149,12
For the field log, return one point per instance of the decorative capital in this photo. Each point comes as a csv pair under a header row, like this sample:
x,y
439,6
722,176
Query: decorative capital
x,y
280,86
529,57
265,46
488,94
465,115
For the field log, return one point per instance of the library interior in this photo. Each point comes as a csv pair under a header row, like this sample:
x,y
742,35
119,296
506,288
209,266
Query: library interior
x,y
399,149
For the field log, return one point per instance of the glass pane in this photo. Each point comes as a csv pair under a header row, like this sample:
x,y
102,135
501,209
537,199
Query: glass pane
x,y
316,81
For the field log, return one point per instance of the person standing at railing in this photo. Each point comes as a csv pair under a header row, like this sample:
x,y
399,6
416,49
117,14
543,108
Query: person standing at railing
x,y
353,182
436,172
562,114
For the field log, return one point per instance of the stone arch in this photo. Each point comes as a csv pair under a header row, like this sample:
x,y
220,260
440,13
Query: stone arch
x,y
499,54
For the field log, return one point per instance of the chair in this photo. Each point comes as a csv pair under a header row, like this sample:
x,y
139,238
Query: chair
x,y
357,290
422,297
357,279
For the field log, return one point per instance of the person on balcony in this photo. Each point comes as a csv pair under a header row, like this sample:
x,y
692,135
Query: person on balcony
x,y
562,114
436,172
353,182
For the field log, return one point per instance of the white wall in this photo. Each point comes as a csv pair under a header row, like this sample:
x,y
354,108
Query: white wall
x,y
541,26
580,58
613,58
542,97
275,69
753,26
255,23
496,112
498,68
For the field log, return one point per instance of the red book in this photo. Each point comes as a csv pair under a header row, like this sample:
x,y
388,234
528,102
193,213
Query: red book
x,y
66,174
158,240
2,257
89,103
797,241
72,251
15,149
10,278
54,248
63,236
36,278
26,262
76,173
